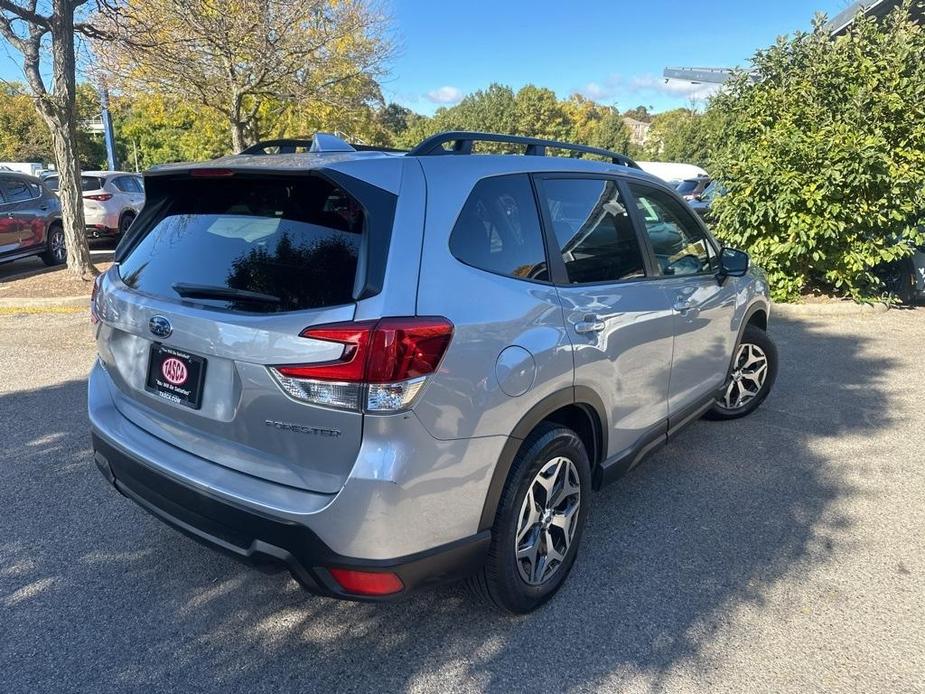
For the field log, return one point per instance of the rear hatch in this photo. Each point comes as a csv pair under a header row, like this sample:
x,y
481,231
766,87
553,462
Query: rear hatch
x,y
218,280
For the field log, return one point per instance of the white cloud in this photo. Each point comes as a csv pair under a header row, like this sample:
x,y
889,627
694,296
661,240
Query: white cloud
x,y
650,84
445,95
601,91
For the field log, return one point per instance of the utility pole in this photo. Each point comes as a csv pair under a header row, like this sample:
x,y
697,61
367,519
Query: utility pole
x,y
108,136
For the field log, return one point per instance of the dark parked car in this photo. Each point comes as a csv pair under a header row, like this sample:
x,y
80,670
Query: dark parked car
x,y
693,188
30,220
703,202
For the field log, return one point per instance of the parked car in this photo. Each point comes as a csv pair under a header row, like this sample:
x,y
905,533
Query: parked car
x,y
385,370
672,173
692,188
702,203
112,200
30,220
904,279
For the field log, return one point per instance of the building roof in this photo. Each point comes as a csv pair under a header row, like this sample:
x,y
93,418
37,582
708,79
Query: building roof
x,y
875,8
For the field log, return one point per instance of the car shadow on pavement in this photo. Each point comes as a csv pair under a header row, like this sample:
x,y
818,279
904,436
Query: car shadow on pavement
x,y
95,594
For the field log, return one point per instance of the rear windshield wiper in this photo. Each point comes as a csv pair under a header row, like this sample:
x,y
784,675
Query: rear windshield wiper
x,y
206,291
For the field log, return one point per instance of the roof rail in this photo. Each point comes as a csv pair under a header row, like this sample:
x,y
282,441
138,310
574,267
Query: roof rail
x,y
462,142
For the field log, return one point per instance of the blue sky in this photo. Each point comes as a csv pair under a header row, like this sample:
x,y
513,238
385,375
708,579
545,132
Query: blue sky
x,y
613,51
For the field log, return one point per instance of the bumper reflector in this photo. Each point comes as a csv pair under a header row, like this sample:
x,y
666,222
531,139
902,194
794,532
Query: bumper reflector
x,y
367,582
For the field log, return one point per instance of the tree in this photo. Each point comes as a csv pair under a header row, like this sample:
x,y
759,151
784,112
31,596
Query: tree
x,y
394,118
823,156
156,129
681,135
611,133
239,57
33,29
24,136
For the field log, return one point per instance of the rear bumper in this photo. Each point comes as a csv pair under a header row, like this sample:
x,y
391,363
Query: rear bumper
x,y
259,540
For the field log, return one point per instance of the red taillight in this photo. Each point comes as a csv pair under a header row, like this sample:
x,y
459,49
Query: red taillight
x,y
390,350
99,197
382,368
351,367
94,314
367,582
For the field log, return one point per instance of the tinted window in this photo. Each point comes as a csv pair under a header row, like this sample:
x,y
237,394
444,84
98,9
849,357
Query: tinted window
x,y
498,229
86,182
680,245
16,190
593,229
124,183
294,239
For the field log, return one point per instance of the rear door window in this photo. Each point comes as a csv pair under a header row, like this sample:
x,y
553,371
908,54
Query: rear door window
x,y
593,230
17,190
294,239
499,230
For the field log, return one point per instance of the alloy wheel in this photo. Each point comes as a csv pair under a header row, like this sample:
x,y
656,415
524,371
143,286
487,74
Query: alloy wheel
x,y
547,522
749,371
58,249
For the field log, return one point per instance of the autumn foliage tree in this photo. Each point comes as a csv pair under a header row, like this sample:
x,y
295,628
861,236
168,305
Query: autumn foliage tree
x,y
243,58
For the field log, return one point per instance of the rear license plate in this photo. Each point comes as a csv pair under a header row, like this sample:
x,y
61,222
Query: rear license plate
x,y
176,376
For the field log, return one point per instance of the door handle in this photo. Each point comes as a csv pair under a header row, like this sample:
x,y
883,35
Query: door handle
x,y
590,324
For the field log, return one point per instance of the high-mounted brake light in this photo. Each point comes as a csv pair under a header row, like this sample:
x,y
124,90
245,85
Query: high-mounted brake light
x,y
211,173
382,368
100,197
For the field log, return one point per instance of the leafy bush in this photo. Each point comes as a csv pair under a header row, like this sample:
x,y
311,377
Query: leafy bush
x,y
822,151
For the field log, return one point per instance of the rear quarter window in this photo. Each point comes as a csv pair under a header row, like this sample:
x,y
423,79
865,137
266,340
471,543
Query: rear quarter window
x,y
296,239
498,229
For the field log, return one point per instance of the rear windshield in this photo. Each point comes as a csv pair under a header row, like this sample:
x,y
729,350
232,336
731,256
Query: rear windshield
x,y
295,240
86,182
687,187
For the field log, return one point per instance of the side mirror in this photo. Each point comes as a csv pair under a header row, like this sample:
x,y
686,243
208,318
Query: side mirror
x,y
732,263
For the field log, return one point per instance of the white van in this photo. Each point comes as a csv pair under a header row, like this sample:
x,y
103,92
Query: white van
x,y
671,172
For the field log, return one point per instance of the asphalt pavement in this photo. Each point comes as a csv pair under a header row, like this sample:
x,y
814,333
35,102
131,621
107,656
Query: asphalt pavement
x,y
784,552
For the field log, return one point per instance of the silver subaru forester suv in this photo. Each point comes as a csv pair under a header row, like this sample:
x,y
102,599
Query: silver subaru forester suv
x,y
384,370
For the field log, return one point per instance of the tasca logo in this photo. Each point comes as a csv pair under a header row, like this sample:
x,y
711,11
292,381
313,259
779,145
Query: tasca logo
x,y
302,429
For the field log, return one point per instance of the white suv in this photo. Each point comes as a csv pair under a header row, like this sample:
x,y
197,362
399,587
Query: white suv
x,y
112,200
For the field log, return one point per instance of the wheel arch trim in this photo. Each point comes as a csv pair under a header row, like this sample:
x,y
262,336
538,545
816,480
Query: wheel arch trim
x,y
582,396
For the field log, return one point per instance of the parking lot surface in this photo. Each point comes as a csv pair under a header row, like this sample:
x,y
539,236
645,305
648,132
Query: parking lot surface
x,y
783,552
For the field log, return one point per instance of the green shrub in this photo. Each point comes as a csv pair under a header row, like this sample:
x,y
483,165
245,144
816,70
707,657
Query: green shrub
x,y
822,151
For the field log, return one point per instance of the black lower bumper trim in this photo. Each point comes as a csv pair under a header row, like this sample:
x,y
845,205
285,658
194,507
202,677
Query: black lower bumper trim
x,y
259,540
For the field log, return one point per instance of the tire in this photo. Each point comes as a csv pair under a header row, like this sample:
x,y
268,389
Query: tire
x,y
898,280
745,373
55,248
125,222
552,455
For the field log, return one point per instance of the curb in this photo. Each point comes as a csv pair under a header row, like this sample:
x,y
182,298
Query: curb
x,y
52,302
834,308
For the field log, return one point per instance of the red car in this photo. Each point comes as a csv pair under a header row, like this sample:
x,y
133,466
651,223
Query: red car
x,y
30,220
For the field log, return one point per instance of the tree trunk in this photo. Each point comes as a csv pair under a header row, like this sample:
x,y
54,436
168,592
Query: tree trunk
x,y
60,112
238,140
67,162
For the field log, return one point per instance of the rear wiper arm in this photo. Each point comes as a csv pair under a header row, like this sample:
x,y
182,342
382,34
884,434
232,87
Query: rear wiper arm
x,y
206,291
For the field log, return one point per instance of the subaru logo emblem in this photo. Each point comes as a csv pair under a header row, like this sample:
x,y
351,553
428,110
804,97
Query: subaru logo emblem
x,y
160,326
